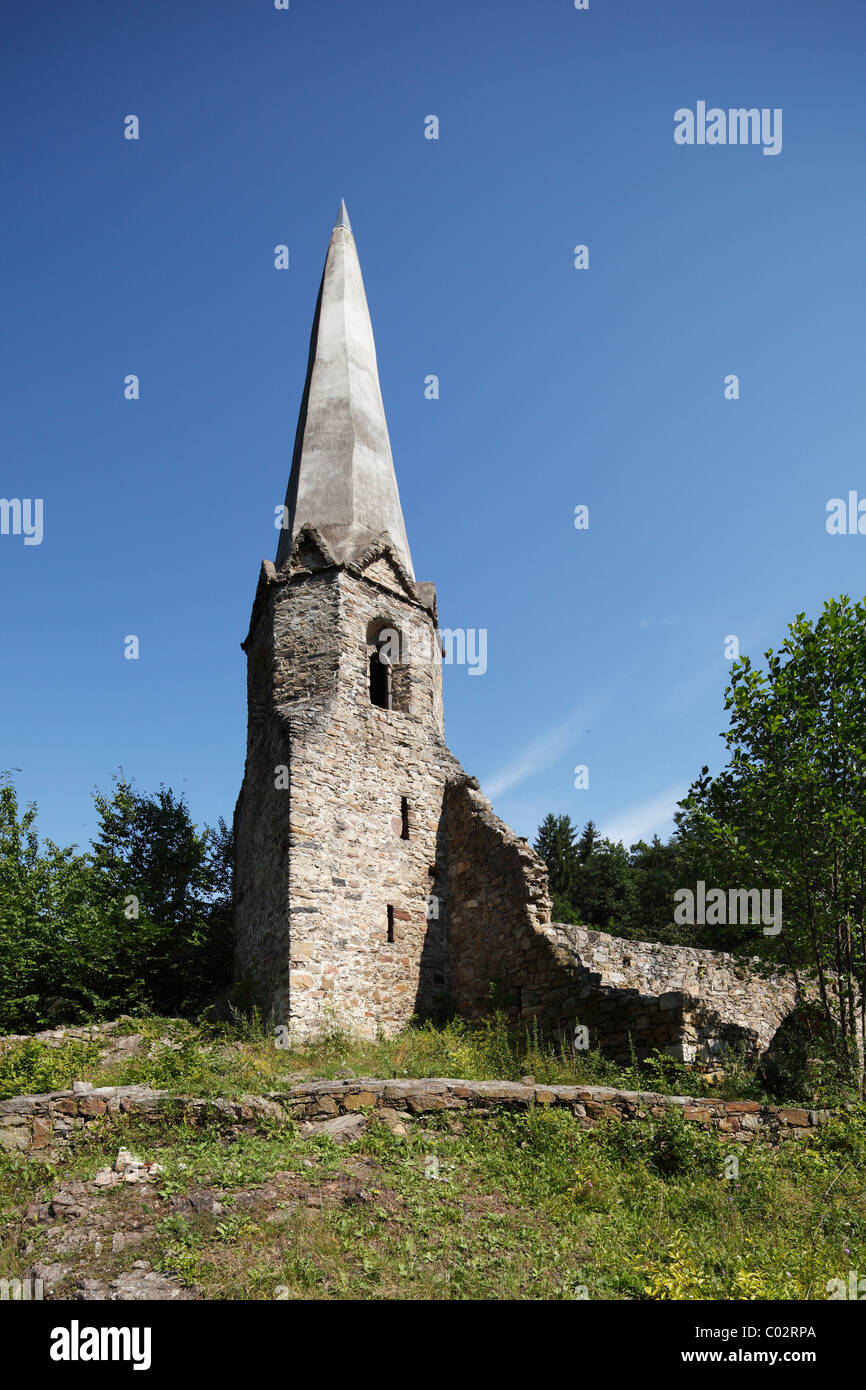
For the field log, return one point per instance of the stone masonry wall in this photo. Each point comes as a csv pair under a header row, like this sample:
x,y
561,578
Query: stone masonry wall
x,y
633,995
321,862
496,902
45,1124
692,1003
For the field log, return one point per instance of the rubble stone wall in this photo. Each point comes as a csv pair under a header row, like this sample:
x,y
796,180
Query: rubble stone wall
x,y
43,1124
496,903
692,1003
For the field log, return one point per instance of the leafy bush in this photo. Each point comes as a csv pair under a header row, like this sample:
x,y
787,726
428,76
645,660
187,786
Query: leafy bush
x,y
32,1067
671,1147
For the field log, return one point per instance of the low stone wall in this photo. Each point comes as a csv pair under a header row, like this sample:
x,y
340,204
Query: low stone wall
x,y
42,1124
59,1037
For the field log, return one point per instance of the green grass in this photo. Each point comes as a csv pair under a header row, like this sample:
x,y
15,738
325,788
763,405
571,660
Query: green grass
x,y
229,1060
526,1206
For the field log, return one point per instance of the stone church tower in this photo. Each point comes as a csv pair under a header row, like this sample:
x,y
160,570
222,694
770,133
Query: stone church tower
x,y
373,881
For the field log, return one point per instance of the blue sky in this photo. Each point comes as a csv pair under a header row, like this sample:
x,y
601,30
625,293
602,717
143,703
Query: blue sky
x,y
559,387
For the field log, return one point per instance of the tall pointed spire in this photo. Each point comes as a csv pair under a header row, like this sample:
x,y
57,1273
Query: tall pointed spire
x,y
342,479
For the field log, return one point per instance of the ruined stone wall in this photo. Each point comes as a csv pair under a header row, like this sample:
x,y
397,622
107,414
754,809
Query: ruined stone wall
x,y
495,903
640,996
282,698
322,857
630,995
693,1003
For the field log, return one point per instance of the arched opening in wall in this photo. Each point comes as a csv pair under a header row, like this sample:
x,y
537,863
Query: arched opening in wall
x,y
404,818
803,1054
387,665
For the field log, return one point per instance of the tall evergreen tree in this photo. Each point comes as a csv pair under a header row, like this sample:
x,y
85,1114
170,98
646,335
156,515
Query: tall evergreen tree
x,y
603,892
554,843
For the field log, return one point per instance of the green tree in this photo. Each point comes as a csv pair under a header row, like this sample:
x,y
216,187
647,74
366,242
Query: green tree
x,y
588,843
555,844
590,877
659,870
142,923
50,934
166,889
789,809
19,908
603,893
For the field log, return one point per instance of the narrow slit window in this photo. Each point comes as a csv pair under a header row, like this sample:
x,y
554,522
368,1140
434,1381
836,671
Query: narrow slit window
x,y
404,818
390,923
380,682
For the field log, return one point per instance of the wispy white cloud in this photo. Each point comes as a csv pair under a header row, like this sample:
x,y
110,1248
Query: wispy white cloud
x,y
714,675
542,752
666,620
646,818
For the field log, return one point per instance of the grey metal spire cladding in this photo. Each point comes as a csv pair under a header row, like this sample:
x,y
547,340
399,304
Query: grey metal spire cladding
x,y
342,480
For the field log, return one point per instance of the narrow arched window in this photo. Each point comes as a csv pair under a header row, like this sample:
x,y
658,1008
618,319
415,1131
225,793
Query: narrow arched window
x,y
385,665
380,680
